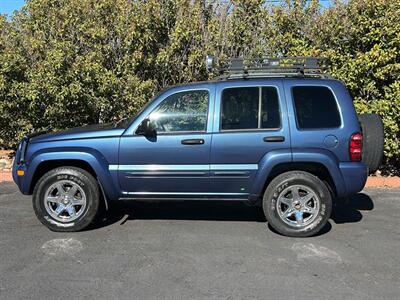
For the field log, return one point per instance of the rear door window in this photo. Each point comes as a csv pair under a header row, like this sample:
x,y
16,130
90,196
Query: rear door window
x,y
247,108
315,107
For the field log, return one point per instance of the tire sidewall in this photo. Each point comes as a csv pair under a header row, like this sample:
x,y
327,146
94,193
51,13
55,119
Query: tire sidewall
x,y
373,140
278,185
78,177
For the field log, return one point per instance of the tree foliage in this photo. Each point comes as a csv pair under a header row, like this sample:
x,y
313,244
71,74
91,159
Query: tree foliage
x,y
66,63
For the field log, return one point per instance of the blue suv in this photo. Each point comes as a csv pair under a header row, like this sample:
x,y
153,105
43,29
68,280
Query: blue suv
x,y
288,140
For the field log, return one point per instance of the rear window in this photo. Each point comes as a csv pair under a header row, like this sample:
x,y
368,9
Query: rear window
x,y
250,108
315,107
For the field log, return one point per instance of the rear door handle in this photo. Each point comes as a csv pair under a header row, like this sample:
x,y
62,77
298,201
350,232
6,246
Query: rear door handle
x,y
274,139
192,142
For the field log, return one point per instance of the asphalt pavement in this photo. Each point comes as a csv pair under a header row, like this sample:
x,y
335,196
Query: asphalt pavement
x,y
207,250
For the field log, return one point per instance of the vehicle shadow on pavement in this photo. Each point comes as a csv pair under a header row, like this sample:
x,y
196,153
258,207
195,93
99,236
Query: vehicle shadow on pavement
x,y
219,211
181,210
351,212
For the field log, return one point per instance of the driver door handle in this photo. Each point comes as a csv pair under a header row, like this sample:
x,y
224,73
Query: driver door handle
x,y
192,142
274,139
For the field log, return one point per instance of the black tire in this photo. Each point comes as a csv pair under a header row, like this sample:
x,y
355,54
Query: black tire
x,y
373,140
84,181
284,182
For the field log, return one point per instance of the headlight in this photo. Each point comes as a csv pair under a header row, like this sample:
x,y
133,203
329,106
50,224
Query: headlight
x,y
21,150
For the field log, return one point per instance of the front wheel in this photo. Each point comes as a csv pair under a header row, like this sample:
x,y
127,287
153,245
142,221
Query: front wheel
x,y
297,204
66,199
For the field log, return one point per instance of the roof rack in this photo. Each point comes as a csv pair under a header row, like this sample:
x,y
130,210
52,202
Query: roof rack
x,y
261,67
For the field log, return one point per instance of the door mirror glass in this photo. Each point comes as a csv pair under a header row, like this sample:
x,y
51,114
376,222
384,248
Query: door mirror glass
x,y
147,128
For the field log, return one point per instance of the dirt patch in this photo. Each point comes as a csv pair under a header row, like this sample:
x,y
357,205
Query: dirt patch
x,y
388,182
5,176
6,153
6,160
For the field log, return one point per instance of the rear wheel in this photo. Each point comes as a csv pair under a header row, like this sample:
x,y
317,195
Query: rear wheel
x,y
66,199
297,204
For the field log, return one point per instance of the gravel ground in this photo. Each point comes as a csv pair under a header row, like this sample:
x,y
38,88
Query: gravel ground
x,y
181,250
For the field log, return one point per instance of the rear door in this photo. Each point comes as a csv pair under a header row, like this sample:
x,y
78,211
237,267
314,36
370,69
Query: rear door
x,y
250,121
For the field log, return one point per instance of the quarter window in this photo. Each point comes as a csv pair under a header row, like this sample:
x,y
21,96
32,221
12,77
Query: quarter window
x,y
315,107
180,112
250,108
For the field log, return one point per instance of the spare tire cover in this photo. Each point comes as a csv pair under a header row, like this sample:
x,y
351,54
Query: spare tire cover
x,y
373,140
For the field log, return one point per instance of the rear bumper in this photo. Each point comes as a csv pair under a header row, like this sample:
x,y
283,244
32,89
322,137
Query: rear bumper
x,y
354,175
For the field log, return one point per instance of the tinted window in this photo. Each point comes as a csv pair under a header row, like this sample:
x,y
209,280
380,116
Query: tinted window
x,y
240,108
247,108
270,116
315,107
185,111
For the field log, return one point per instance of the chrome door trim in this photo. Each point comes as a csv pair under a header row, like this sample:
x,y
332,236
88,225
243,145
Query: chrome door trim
x,y
204,167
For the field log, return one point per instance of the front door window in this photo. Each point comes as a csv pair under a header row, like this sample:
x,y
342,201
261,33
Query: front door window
x,y
182,112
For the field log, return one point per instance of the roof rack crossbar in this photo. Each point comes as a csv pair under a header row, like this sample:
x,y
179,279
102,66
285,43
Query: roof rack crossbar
x,y
274,75
270,67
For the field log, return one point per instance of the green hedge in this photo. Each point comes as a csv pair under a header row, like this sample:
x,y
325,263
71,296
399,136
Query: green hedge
x,y
69,63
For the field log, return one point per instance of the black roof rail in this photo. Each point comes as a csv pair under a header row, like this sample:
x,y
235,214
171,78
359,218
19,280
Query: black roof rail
x,y
261,67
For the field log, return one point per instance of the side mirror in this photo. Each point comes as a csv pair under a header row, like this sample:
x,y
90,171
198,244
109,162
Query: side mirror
x,y
147,128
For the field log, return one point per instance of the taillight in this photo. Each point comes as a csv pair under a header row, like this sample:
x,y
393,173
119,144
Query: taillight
x,y
355,147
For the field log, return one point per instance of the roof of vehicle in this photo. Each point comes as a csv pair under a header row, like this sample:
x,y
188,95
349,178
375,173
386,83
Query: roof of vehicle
x,y
249,80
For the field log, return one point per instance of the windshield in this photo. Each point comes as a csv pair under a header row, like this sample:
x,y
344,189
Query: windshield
x,y
125,122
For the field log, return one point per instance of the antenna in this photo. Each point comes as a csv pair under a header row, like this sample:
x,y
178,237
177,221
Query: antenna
x,y
210,63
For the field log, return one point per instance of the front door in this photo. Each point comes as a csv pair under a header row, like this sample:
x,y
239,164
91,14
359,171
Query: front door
x,y
175,162
250,122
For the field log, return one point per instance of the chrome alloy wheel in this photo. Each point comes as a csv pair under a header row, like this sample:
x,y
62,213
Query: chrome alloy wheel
x,y
65,201
298,205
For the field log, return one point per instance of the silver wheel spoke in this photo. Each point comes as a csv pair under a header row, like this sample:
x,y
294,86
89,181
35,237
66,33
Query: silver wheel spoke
x,y
60,189
76,201
288,213
299,217
305,199
310,210
295,193
54,199
73,191
71,210
60,208
286,201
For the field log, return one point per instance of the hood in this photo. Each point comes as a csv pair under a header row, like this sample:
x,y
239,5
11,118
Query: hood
x,y
86,132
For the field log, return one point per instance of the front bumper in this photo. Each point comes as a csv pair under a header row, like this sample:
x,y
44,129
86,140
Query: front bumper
x,y
20,164
20,181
